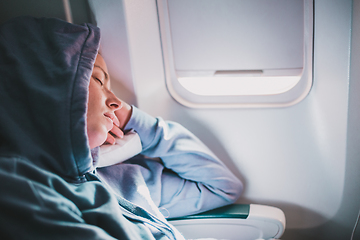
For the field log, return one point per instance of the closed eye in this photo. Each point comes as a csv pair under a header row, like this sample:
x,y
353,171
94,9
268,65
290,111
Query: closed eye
x,y
97,79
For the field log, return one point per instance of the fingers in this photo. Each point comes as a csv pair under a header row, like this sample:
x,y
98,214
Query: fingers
x,y
110,139
115,132
116,121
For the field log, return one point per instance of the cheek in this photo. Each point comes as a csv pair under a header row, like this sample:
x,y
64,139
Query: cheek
x,y
96,136
95,101
96,131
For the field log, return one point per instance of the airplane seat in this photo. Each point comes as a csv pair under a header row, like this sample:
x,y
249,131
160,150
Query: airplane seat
x,y
234,222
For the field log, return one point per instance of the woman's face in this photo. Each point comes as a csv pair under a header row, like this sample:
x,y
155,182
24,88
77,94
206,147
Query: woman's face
x,y
102,104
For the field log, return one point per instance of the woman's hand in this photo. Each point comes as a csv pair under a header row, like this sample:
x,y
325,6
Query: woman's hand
x,y
123,114
122,117
115,132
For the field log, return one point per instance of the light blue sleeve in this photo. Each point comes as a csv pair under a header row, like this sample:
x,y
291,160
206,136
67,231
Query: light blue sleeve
x,y
194,179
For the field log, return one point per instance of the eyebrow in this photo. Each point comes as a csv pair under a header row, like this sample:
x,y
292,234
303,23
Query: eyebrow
x,y
106,74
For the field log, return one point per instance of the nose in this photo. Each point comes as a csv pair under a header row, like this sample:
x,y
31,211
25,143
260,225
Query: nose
x,y
113,102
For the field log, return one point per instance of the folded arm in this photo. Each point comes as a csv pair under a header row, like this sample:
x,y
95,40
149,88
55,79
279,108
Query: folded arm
x,y
193,179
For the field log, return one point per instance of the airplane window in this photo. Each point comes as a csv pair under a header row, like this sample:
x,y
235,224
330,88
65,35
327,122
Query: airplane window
x,y
237,53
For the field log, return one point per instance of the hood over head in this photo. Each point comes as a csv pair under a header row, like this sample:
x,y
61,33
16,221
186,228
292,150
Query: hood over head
x,y
45,67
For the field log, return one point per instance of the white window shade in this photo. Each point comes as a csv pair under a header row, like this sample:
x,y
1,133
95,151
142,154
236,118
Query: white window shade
x,y
237,53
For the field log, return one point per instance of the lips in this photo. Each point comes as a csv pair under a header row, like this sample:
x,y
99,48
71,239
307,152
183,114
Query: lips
x,y
110,117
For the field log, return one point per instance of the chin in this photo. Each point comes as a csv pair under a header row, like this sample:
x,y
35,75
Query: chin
x,y
102,141
96,140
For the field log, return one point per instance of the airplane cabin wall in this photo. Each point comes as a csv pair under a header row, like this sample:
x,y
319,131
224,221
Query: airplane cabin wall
x,y
303,159
293,158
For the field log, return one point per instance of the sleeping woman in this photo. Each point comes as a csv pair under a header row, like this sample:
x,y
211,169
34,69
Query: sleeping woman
x,y
58,118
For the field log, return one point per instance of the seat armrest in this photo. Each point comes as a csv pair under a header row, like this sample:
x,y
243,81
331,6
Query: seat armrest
x,y
230,211
234,222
